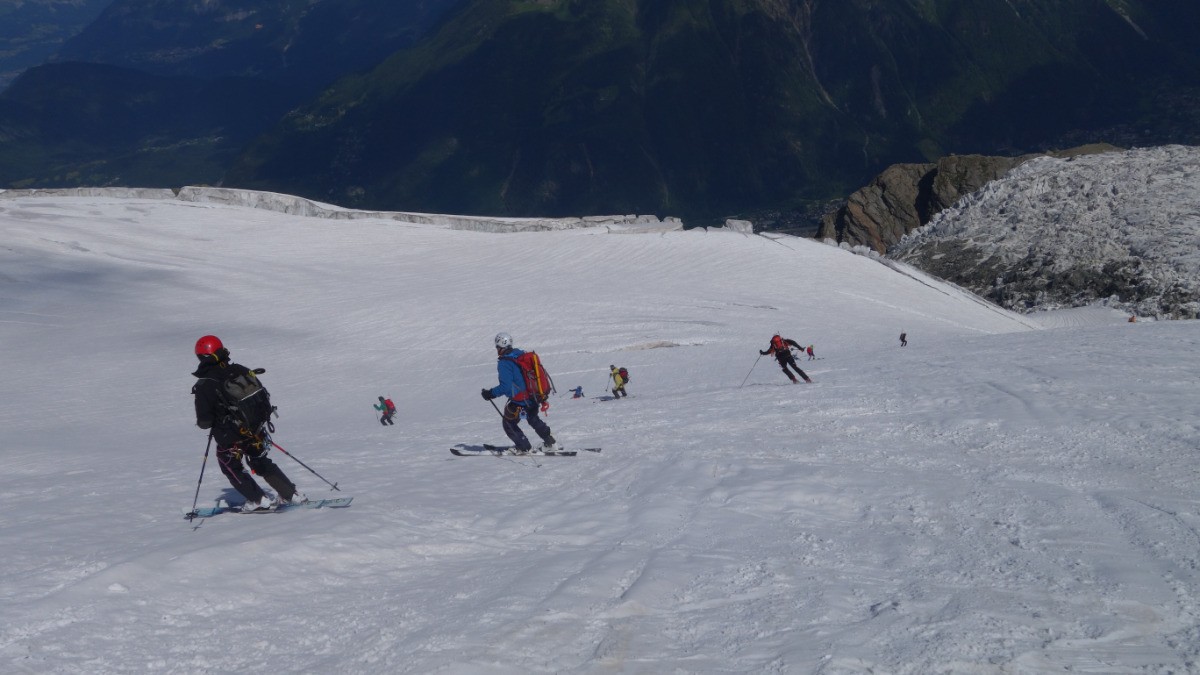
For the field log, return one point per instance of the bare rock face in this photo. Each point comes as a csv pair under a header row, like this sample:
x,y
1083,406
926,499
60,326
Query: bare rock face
x,y
879,214
960,175
906,196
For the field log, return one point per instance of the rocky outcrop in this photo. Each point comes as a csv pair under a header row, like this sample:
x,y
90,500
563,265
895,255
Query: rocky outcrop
x,y
907,196
879,214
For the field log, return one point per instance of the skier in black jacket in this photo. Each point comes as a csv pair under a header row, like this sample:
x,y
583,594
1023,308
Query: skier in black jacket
x,y
233,441
781,348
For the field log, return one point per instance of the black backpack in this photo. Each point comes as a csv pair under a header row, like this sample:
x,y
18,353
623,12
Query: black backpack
x,y
247,400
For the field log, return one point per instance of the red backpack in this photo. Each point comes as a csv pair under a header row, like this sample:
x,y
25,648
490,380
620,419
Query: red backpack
x,y
391,407
538,384
624,374
777,343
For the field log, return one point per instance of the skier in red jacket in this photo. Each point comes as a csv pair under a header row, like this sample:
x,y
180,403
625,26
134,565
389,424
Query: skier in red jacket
x,y
782,349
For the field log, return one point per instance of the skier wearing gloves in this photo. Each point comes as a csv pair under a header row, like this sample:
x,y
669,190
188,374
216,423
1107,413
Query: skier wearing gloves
x,y
387,411
619,377
782,349
233,440
512,385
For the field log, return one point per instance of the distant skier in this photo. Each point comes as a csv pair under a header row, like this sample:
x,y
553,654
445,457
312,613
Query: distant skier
x,y
388,409
234,440
811,356
577,392
903,339
782,349
619,377
512,385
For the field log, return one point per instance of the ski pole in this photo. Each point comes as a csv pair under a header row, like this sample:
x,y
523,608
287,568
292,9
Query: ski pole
x,y
751,371
333,485
192,514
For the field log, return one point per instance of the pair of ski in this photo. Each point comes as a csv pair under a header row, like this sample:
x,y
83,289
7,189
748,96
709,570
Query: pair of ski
x,y
223,506
485,450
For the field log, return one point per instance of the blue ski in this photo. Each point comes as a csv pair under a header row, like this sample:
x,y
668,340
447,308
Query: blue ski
x,y
222,507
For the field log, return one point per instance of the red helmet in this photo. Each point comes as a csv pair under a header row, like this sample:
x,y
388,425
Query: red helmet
x,y
208,345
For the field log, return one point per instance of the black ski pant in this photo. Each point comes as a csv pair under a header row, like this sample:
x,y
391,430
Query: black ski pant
x,y
786,359
230,461
386,419
512,415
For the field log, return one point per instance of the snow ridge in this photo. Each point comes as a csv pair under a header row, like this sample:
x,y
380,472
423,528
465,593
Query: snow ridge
x,y
299,206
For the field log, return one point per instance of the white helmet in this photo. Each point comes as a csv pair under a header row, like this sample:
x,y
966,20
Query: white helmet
x,y
503,340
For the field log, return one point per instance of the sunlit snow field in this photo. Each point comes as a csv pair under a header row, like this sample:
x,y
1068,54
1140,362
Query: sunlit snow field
x,y
996,497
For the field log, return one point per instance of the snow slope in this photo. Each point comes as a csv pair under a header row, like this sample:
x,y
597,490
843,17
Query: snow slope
x,y
993,498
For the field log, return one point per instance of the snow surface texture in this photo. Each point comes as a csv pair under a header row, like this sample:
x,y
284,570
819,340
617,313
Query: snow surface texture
x,y
1118,228
992,498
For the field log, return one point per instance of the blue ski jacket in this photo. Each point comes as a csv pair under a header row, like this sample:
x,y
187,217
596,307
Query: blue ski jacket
x,y
512,380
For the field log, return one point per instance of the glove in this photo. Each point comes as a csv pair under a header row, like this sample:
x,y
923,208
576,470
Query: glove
x,y
487,394
761,353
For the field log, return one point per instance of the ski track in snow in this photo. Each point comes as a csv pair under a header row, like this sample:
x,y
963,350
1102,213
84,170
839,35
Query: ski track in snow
x,y
989,499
